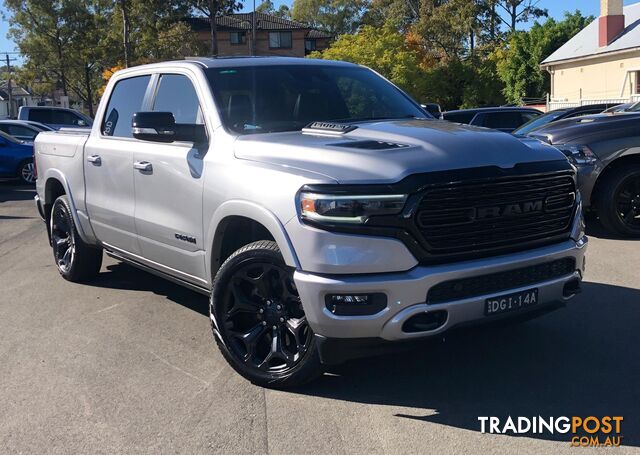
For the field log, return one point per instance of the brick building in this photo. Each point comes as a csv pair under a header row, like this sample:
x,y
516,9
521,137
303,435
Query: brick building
x,y
274,35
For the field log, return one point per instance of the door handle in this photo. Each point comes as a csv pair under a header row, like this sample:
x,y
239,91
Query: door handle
x,y
143,166
95,159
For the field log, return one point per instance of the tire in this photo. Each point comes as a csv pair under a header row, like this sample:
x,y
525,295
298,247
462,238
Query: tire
x,y
618,202
76,261
258,321
26,172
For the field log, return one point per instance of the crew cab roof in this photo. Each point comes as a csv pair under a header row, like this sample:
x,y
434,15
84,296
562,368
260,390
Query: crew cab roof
x,y
225,62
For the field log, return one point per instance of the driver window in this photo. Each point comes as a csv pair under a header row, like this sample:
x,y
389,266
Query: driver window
x,y
177,95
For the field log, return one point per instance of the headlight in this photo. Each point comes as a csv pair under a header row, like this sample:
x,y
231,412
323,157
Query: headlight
x,y
578,154
348,209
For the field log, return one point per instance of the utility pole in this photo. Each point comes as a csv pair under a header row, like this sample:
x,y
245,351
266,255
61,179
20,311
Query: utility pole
x,y
9,87
253,29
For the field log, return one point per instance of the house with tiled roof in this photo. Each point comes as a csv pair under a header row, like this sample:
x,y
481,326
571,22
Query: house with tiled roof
x,y
601,63
274,35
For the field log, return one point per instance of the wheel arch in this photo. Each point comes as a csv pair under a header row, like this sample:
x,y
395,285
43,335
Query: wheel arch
x,y
55,186
613,165
237,223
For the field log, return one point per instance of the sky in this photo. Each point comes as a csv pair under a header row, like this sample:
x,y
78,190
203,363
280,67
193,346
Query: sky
x,y
556,9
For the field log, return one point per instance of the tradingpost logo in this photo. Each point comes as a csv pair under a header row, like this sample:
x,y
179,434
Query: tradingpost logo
x,y
590,431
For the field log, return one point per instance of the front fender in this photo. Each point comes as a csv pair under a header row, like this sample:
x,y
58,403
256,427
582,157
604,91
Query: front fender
x,y
257,213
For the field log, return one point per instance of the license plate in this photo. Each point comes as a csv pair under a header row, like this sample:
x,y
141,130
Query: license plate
x,y
510,302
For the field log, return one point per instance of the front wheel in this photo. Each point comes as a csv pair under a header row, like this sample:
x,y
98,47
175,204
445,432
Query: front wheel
x,y
618,204
76,260
258,320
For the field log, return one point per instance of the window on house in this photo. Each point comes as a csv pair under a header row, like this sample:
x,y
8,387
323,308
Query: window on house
x,y
238,37
280,40
310,45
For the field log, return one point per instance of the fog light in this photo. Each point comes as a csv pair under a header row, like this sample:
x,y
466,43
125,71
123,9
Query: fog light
x,y
355,304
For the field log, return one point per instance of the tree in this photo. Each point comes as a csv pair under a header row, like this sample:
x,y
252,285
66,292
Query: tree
x,y
337,17
518,11
212,9
518,64
267,7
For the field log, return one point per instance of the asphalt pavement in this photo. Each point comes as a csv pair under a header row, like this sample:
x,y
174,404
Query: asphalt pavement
x,y
127,364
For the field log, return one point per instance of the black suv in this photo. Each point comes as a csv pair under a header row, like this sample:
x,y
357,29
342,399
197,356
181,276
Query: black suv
x,y
504,119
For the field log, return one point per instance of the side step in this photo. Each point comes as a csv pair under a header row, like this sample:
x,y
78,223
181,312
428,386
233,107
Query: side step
x,y
166,276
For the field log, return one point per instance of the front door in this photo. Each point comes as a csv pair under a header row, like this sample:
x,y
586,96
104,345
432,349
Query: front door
x,y
169,186
108,166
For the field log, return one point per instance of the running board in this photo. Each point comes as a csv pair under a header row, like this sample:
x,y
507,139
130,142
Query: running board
x,y
151,270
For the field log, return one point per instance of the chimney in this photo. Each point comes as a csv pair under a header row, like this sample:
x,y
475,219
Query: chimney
x,y
611,21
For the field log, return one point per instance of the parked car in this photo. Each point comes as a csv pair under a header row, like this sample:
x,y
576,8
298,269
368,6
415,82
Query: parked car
x,y
560,114
433,109
16,159
55,117
606,150
505,119
626,107
22,129
316,239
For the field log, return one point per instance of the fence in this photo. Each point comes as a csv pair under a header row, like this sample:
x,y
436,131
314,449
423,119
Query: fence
x,y
559,104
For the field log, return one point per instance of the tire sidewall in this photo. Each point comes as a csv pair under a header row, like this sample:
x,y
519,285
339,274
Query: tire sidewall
x,y
608,212
63,203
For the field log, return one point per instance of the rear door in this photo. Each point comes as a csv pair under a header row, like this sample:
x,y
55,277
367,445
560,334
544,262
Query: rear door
x,y
109,169
169,186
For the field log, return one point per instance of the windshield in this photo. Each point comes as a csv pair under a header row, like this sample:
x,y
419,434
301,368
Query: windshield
x,y
263,99
537,123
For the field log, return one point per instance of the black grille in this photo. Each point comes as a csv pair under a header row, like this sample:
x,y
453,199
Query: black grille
x,y
497,282
462,218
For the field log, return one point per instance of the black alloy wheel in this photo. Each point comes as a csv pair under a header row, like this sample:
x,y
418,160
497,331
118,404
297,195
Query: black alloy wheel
x,y
76,261
627,202
259,321
62,239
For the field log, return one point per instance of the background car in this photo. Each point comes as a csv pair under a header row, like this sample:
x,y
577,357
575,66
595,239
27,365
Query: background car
x,y
16,159
504,119
23,130
433,109
626,107
560,114
605,149
55,117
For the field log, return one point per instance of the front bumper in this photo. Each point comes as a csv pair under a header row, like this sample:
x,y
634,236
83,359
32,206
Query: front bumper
x,y
407,291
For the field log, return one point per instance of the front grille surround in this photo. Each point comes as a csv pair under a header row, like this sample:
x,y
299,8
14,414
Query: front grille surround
x,y
468,217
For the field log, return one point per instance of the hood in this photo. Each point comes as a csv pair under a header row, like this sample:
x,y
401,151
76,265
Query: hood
x,y
589,127
408,147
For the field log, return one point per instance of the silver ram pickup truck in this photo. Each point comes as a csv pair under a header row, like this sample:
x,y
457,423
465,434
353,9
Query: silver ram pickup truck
x,y
321,209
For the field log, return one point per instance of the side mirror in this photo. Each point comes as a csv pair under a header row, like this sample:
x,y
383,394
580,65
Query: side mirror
x,y
162,127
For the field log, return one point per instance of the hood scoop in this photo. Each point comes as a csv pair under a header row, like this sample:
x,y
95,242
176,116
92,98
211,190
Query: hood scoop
x,y
370,145
328,128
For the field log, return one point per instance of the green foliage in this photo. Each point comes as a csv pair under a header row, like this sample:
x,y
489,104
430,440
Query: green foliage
x,y
518,64
451,83
335,16
384,50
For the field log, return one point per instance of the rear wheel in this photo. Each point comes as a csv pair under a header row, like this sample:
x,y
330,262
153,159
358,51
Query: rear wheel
x,y
26,172
76,261
258,320
618,204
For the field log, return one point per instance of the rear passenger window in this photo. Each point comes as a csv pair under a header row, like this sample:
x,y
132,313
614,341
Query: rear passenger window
x,y
41,115
126,99
177,95
462,117
506,120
